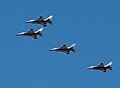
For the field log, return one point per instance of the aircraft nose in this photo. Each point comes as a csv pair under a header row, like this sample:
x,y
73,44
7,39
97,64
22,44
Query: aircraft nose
x,y
26,22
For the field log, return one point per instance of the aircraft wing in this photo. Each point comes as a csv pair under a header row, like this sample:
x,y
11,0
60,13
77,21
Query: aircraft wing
x,y
101,65
63,47
40,18
31,31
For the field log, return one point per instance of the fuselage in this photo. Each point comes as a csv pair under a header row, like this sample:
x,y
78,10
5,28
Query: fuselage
x,y
37,22
30,34
102,68
62,50
99,68
67,51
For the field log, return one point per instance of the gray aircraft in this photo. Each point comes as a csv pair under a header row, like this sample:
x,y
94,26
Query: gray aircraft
x,y
65,49
31,33
41,21
102,67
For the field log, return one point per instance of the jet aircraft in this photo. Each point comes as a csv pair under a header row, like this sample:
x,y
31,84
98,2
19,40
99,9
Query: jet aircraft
x,y
65,49
41,21
31,33
102,67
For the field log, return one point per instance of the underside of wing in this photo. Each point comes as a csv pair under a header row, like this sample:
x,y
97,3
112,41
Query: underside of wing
x,y
31,31
40,18
63,47
101,65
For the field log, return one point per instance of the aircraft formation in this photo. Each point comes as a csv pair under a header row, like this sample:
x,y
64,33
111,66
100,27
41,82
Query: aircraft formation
x,y
63,48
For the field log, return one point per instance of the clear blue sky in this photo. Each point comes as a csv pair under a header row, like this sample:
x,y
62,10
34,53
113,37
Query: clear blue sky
x,y
94,25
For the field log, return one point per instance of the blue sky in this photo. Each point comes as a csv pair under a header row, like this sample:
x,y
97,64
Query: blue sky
x,y
92,24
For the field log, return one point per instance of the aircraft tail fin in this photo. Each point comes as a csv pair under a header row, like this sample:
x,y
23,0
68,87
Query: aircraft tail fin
x,y
49,19
72,47
40,32
109,66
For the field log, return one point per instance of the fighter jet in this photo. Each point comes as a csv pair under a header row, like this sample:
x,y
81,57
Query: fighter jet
x,y
65,49
102,67
41,21
31,33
